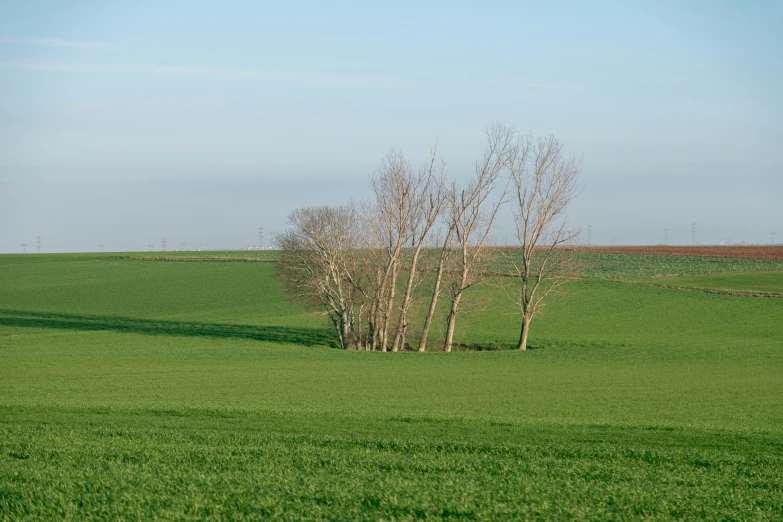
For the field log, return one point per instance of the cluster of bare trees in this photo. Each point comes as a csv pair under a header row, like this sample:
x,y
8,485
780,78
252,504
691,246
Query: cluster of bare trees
x,y
423,237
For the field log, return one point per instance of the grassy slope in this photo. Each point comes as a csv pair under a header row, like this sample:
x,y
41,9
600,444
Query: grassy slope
x,y
132,388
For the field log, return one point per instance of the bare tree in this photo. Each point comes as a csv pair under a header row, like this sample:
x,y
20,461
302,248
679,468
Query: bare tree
x,y
472,214
390,217
544,182
427,200
319,263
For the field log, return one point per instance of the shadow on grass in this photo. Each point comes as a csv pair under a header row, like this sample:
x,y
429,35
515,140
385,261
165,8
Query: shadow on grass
x,y
275,334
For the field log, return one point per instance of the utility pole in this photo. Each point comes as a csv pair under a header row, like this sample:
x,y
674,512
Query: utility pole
x,y
260,237
589,235
665,236
24,248
693,233
38,243
163,244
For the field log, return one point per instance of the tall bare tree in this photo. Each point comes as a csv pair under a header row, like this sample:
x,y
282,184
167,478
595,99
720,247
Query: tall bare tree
x,y
427,198
544,181
472,214
390,217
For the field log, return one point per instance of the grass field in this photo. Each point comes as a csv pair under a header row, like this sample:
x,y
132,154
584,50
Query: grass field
x,y
132,389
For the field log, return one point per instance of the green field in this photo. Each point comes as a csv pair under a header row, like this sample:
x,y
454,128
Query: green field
x,y
137,389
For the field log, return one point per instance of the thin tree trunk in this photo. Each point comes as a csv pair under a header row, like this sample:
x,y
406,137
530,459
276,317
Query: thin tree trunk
x,y
435,294
399,336
430,314
338,328
389,307
456,299
452,321
345,326
523,333
372,327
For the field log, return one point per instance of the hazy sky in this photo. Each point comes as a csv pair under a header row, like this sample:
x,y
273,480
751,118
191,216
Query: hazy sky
x,y
124,122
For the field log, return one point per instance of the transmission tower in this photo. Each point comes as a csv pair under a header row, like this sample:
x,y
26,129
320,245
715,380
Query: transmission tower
x,y
24,248
38,243
260,237
151,246
183,245
665,236
771,238
589,235
101,247
163,244
693,233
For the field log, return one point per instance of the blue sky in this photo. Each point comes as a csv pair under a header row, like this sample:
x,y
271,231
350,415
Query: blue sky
x,y
121,123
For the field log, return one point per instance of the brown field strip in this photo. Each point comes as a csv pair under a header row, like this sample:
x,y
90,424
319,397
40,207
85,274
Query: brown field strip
x,y
737,252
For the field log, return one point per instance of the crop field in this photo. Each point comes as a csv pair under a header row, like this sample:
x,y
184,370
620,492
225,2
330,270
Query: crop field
x,y
734,252
188,386
768,284
634,262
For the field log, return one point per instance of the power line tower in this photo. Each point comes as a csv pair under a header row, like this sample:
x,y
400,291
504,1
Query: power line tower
x,y
38,243
771,238
693,233
589,235
665,236
24,248
163,244
101,247
183,245
260,237
151,246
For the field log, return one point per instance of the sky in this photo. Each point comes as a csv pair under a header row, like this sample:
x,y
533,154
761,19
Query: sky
x,y
125,122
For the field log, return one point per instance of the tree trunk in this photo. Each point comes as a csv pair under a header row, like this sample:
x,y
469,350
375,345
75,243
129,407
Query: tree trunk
x,y
399,333
431,312
338,329
372,328
389,307
523,333
399,336
455,301
452,321
345,326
